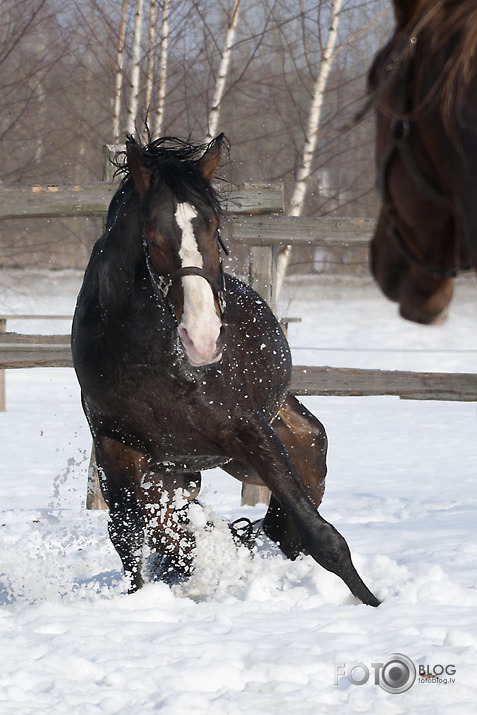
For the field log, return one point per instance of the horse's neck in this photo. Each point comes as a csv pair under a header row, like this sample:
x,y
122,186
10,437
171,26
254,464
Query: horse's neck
x,y
120,252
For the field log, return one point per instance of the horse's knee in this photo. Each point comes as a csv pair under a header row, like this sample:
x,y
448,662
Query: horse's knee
x,y
167,533
305,439
165,501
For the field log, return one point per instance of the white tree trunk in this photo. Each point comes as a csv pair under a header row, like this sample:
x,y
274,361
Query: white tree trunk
x,y
150,54
136,63
314,119
41,97
219,91
119,72
158,126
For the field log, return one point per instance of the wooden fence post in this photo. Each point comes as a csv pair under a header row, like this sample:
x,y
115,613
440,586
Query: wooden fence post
x,y
263,273
262,278
94,498
3,390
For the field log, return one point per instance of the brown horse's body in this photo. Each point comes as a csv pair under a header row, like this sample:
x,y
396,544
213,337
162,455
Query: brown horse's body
x,y
182,369
425,85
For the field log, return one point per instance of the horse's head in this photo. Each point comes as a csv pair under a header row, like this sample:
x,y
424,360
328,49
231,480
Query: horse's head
x,y
423,287
412,253
418,246
180,230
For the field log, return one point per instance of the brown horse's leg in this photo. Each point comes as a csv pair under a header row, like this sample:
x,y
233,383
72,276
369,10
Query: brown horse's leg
x,y
164,501
305,440
253,441
121,471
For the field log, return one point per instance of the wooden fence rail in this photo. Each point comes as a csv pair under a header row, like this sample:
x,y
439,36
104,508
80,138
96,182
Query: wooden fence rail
x,y
255,213
25,351
254,218
17,201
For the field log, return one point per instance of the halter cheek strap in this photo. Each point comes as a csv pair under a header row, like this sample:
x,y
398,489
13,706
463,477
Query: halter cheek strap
x,y
165,282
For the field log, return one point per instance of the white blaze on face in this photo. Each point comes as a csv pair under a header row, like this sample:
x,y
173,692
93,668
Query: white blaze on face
x,y
200,324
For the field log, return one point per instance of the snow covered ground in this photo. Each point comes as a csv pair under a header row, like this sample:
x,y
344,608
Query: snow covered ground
x,y
250,635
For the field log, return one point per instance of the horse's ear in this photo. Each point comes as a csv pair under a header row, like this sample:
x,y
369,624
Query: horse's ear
x,y
140,174
210,160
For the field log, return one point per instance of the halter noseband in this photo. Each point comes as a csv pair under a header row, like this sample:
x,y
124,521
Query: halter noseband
x,y
164,282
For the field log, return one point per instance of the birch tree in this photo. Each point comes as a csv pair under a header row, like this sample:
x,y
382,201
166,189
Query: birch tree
x,y
311,139
136,66
219,90
150,53
158,125
118,87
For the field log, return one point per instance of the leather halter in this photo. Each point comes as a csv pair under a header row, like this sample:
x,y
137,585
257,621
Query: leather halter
x,y
163,282
399,145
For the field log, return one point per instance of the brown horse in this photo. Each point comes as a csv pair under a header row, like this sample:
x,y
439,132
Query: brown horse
x,y
183,368
425,94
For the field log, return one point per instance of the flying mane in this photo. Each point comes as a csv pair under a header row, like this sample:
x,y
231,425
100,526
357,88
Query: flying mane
x,y
176,161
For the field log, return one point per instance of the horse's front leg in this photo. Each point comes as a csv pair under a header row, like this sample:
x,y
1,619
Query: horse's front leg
x,y
305,440
121,469
165,499
257,444
148,511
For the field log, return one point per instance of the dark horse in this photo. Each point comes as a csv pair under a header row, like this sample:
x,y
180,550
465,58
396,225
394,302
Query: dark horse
x,y
425,94
183,368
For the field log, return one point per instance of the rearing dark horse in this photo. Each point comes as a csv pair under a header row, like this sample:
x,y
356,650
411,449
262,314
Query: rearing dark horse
x,y
183,368
424,83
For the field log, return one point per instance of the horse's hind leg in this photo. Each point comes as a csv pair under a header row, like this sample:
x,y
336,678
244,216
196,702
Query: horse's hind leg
x,y
305,440
254,442
165,499
306,443
146,509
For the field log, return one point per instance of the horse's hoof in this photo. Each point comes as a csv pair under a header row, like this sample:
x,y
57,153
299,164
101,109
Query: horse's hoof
x,y
163,568
135,583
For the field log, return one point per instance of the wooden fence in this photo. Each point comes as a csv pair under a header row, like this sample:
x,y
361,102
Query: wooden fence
x,y
255,219
24,351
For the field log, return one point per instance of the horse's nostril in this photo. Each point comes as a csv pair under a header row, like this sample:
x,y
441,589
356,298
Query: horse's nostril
x,y
184,335
200,349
